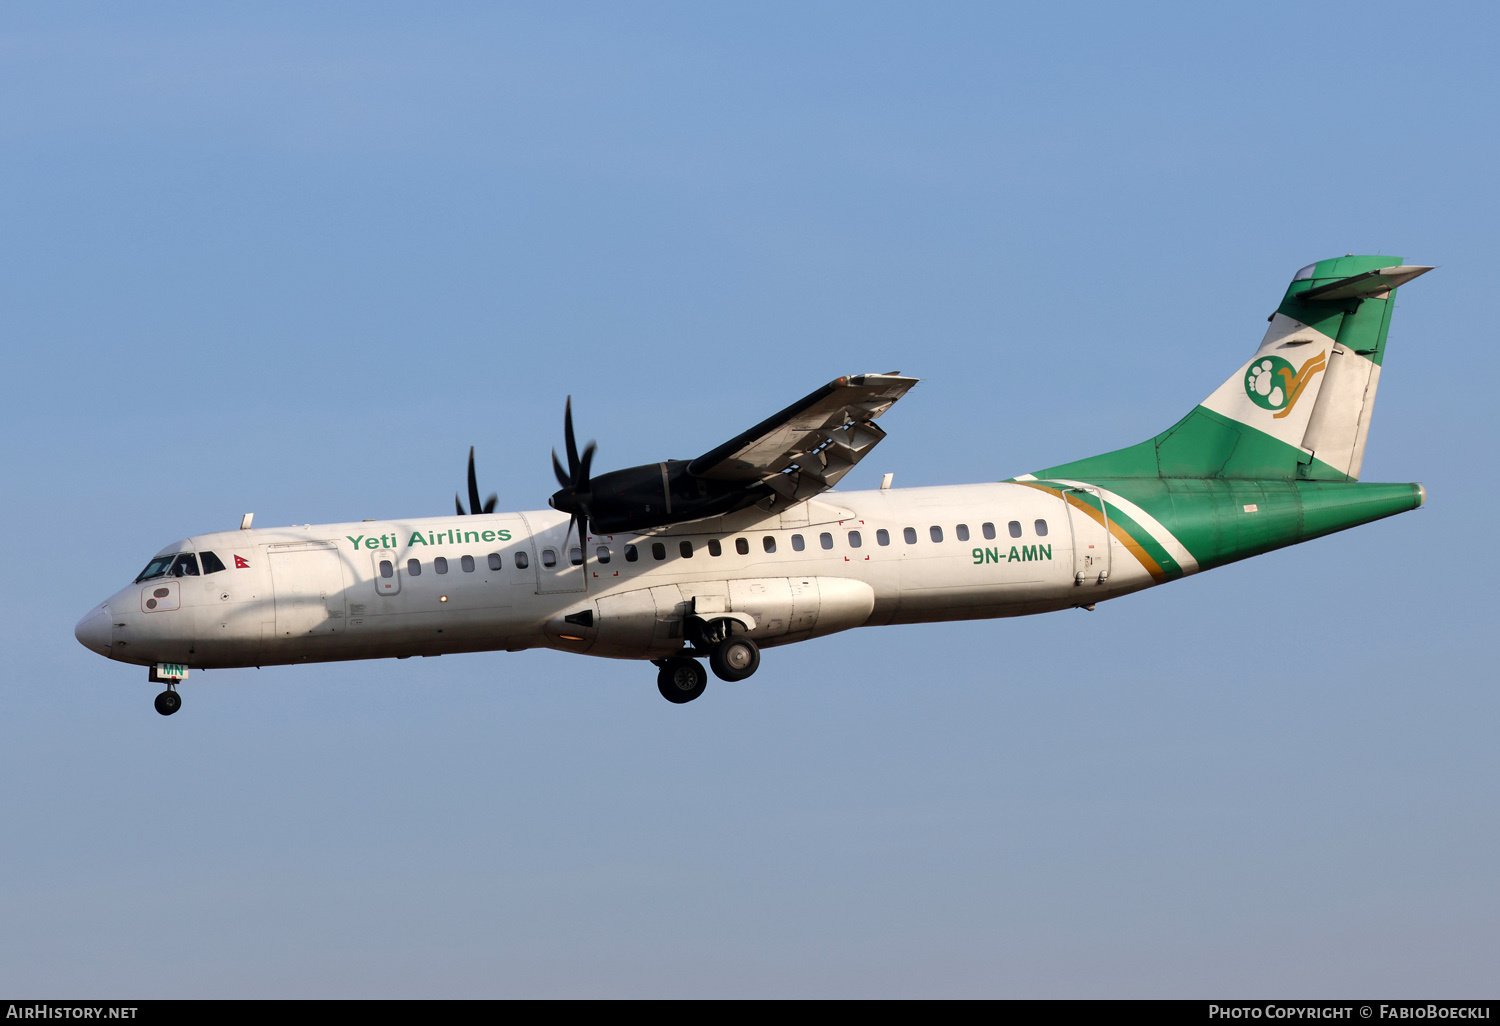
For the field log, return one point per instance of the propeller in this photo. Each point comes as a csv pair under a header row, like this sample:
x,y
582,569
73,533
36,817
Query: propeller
x,y
575,495
474,507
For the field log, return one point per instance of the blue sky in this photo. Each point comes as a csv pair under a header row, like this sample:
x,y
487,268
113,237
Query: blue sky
x,y
296,261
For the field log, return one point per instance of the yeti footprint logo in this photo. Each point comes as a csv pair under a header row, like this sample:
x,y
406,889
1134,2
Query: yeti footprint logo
x,y
1272,384
1261,383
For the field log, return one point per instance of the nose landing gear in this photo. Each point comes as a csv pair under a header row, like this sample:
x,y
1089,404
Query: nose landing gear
x,y
168,702
170,674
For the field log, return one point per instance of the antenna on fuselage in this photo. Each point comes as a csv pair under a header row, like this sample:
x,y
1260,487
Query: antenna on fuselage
x,y
246,520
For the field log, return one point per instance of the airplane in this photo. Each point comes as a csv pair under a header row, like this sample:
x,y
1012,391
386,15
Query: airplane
x,y
748,547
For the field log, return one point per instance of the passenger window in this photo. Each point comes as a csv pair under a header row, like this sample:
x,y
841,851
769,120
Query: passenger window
x,y
414,567
798,543
961,532
658,550
467,562
714,548
549,558
386,570
495,562
631,554
854,540
989,532
1015,528
575,555
686,548
185,565
936,533
603,553
440,564
882,537
522,559
1041,528
768,543
211,563
910,534
826,540
742,546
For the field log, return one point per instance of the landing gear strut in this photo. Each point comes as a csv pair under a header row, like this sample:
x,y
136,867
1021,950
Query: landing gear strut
x,y
681,680
168,702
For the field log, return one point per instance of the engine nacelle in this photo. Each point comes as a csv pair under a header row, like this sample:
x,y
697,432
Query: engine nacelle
x,y
656,494
650,623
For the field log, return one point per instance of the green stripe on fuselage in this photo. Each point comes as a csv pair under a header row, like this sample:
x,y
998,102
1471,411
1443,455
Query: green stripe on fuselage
x,y
1118,518
1211,520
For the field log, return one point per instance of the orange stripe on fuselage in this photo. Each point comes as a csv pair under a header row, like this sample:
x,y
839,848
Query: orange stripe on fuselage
x,y
1119,533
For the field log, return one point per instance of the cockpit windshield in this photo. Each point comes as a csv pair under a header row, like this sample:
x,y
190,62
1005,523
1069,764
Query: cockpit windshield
x,y
174,564
156,568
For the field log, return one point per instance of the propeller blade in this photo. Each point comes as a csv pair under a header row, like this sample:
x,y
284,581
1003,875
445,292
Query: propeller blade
x,y
574,496
474,506
571,441
458,504
588,459
489,504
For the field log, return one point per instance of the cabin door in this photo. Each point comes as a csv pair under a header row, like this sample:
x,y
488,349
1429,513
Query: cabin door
x,y
1088,519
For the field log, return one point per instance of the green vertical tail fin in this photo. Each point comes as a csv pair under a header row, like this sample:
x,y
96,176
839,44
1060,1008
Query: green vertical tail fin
x,y
1300,408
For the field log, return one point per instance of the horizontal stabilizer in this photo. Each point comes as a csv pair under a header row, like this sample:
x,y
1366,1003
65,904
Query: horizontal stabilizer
x,y
1364,286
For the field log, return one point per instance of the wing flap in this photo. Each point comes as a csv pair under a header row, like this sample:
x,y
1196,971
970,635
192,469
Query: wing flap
x,y
809,446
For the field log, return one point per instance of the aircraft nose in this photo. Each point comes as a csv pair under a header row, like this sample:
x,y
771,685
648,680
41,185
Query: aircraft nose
x,y
93,630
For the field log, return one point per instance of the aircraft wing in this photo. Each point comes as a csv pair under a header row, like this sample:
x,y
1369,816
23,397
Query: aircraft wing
x,y
810,445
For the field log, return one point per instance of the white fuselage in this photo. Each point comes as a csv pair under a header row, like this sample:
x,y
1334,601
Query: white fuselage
x,y
506,580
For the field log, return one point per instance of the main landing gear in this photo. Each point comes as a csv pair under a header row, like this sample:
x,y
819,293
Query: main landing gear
x,y
732,658
681,680
169,701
